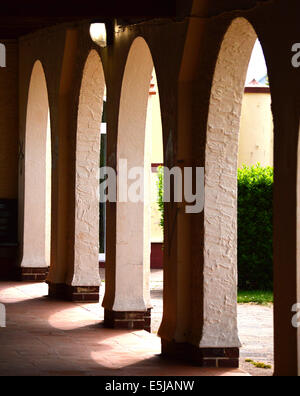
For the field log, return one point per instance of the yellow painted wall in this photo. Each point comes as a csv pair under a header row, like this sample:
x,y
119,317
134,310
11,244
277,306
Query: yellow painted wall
x,y
157,157
256,130
157,140
255,142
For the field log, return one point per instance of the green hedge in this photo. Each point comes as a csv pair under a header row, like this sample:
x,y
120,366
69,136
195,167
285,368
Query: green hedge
x,y
255,228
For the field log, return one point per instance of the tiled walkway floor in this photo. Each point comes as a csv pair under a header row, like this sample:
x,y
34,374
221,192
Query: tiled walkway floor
x,y
255,325
46,337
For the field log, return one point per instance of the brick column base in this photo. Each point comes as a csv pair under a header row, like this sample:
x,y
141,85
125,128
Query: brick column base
x,y
128,320
33,274
74,293
203,357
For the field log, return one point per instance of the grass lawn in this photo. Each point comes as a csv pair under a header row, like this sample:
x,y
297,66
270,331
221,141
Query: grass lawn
x,y
255,297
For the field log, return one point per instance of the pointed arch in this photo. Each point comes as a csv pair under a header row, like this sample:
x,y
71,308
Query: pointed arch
x,y
37,191
128,283
220,213
133,238
86,255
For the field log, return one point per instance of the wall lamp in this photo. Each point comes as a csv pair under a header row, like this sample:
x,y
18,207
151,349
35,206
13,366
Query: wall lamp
x,y
102,33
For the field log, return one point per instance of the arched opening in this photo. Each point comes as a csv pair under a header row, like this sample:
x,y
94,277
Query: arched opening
x,y
139,116
87,224
154,146
230,144
37,190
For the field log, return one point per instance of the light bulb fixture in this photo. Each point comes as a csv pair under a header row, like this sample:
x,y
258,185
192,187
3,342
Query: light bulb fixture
x,y
98,34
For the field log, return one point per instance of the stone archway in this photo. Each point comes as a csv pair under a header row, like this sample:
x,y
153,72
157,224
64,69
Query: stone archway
x,y
37,168
128,302
83,280
220,212
221,193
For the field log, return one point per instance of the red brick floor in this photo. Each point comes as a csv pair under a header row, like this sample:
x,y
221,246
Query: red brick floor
x,y
54,338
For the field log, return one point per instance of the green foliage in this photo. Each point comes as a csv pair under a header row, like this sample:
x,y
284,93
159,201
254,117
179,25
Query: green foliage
x,y
160,191
267,81
255,297
255,228
259,364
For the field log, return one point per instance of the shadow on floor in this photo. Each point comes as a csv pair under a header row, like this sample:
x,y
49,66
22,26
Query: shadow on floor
x,y
48,337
